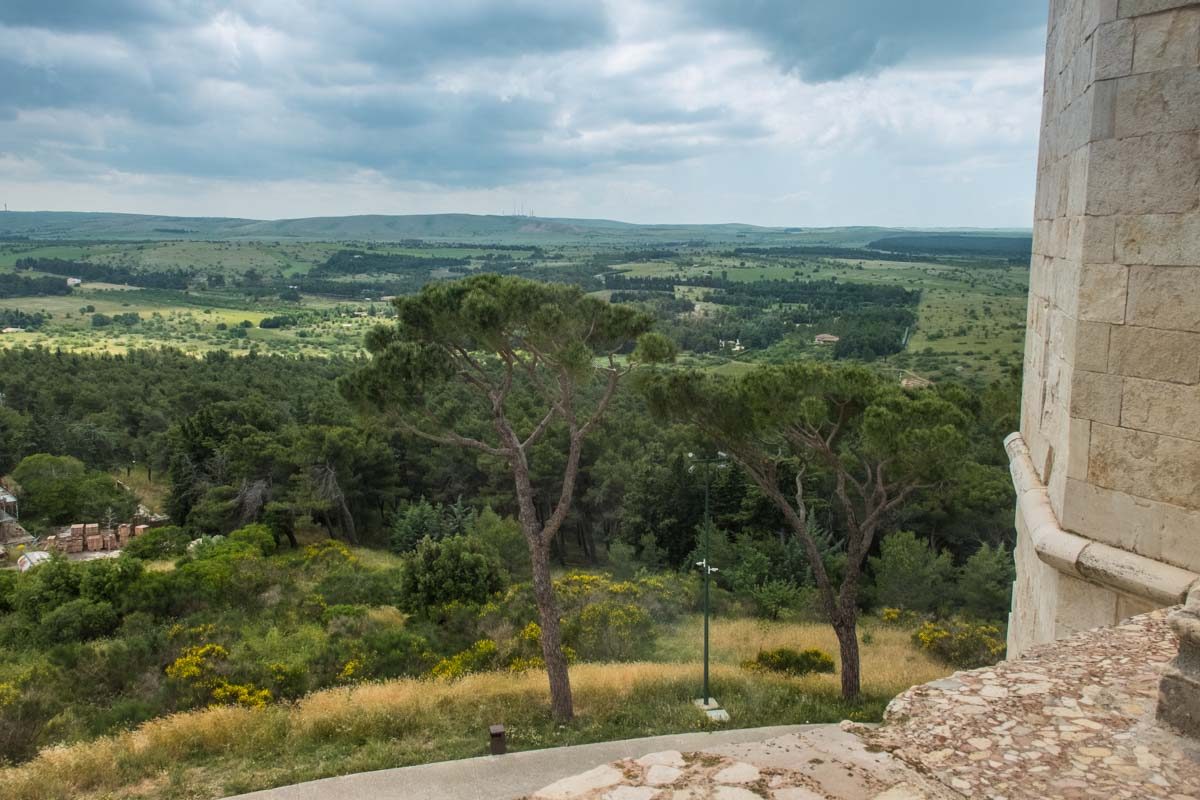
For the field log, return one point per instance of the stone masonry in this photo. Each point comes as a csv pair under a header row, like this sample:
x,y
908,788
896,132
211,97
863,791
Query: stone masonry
x,y
1111,399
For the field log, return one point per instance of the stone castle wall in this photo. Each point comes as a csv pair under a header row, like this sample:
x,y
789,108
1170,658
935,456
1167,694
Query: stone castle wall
x,y
1111,402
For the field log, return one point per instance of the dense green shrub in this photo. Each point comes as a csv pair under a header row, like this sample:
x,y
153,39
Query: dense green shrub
x,y
159,594
622,560
792,662
362,587
77,621
257,536
774,597
419,521
394,653
908,574
8,590
158,543
213,513
961,643
61,490
46,587
504,537
124,713
26,704
477,658
14,430
107,580
225,572
611,631
985,583
457,569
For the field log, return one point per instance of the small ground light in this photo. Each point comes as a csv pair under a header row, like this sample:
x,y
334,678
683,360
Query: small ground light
x,y
499,744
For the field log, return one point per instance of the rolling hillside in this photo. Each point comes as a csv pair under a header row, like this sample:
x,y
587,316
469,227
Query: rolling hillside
x,y
71,225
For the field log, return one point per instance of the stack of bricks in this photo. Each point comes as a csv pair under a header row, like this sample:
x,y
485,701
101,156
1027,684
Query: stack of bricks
x,y
92,540
75,543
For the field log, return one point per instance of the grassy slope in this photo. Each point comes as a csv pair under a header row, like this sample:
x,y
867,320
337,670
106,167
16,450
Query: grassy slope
x,y
227,750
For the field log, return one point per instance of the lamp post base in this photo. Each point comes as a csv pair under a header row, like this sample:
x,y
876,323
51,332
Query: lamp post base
x,y
712,709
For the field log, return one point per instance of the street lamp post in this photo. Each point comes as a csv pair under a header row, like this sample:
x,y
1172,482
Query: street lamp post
x,y
705,565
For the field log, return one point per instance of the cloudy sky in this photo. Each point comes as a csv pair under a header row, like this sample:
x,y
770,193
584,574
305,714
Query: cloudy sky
x,y
777,112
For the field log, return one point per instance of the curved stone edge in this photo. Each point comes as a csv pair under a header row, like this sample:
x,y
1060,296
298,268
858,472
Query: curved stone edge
x,y
1086,559
1122,571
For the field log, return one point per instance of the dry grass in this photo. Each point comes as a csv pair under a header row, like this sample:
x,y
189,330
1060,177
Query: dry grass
x,y
226,750
890,663
150,493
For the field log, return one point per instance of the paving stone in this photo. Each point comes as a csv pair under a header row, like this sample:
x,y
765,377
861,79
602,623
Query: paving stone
x,y
796,793
578,786
737,773
1087,732
667,758
734,793
902,791
632,793
660,775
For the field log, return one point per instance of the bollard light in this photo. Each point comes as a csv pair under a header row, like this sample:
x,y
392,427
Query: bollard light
x,y
499,745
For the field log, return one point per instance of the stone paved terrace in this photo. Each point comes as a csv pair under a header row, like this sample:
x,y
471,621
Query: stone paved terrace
x,y
1073,719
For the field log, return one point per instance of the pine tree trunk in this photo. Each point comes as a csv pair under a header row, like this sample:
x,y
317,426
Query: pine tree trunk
x,y
556,662
561,705
847,635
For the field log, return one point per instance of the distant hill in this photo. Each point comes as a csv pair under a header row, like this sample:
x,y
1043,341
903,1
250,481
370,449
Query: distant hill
x,y
956,244
75,225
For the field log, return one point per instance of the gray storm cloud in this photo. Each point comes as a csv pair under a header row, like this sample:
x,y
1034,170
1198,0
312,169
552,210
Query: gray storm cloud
x,y
459,93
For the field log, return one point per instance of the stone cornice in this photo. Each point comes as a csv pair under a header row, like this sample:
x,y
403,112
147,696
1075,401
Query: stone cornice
x,y
1087,559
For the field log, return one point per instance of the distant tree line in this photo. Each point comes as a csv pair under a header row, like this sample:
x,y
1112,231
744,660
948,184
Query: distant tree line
x,y
109,273
604,260
660,301
1014,248
874,333
825,295
13,285
584,275
128,319
15,318
357,262
358,289
821,251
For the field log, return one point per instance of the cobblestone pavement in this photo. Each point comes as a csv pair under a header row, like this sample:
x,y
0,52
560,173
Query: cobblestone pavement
x,y
1073,719
822,763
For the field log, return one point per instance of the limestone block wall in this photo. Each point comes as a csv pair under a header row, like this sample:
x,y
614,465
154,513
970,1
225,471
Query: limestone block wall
x,y
1111,400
